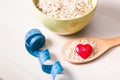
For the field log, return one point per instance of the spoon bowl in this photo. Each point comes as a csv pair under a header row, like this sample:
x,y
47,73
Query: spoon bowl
x,y
102,46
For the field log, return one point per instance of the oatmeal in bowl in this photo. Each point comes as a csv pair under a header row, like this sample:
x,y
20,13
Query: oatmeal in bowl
x,y
65,17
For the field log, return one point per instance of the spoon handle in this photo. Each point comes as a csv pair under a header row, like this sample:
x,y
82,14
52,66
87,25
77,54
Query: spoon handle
x,y
112,42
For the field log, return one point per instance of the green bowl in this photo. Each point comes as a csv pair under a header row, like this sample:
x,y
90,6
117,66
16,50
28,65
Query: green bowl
x,y
65,26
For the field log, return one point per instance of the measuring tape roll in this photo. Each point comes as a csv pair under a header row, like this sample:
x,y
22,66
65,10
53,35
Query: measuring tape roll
x,y
34,40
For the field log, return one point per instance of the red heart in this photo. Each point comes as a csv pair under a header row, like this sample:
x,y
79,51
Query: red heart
x,y
84,50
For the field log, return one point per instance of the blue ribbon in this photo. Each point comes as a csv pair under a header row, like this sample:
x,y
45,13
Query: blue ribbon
x,y
34,40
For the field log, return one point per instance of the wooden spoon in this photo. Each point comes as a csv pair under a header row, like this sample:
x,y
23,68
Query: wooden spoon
x,y
102,46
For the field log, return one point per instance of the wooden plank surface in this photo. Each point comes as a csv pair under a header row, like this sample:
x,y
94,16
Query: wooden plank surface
x,y
17,17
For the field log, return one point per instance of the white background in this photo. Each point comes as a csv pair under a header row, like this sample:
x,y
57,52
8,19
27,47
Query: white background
x,y
17,17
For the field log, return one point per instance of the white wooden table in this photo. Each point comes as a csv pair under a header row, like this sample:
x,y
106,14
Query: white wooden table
x,y
17,17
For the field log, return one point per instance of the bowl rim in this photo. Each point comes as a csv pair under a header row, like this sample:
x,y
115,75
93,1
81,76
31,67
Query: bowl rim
x,y
64,19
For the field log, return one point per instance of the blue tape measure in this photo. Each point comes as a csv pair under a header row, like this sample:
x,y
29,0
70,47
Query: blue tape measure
x,y
34,40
